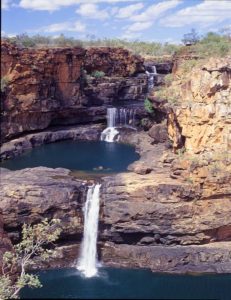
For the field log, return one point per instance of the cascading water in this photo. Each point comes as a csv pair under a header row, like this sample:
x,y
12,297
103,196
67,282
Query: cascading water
x,y
117,117
151,76
88,259
109,134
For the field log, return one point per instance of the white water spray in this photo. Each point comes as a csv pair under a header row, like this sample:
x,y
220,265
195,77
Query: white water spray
x,y
109,134
88,259
117,117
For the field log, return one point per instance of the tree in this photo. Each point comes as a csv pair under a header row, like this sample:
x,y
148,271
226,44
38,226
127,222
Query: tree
x,y
191,37
34,241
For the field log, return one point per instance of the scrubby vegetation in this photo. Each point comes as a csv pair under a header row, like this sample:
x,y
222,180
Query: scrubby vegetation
x,y
138,47
213,44
4,83
15,264
210,44
148,106
98,74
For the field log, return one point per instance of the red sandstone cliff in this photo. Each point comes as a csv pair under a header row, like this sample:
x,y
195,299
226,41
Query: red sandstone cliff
x,y
46,85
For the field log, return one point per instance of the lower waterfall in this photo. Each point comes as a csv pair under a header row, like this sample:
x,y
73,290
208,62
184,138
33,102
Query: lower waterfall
x,y
87,263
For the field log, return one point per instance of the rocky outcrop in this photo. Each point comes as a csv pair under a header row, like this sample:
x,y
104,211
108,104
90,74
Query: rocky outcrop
x,y
55,86
29,195
113,61
158,217
204,113
212,258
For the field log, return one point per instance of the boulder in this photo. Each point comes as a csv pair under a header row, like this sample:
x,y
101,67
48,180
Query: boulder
x,y
159,133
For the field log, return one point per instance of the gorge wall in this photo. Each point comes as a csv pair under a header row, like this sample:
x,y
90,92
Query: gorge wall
x,y
204,113
171,212
45,87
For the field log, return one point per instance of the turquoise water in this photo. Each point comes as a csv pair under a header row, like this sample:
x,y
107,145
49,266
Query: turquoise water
x,y
127,283
77,155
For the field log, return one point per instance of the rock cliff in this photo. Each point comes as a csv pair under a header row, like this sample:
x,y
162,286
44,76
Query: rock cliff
x,y
204,113
45,87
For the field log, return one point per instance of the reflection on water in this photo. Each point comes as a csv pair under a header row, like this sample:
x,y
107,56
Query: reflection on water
x,y
127,283
85,156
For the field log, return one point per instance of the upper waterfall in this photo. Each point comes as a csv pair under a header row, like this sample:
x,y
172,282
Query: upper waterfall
x,y
117,117
88,259
151,76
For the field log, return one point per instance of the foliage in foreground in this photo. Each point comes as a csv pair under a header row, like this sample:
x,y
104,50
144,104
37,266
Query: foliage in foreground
x,y
34,240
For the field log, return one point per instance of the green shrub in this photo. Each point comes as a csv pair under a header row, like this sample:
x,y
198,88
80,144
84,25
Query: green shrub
x,y
148,106
4,83
98,74
35,238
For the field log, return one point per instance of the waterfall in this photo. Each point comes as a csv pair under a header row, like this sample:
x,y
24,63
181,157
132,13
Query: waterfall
x,y
117,117
88,259
109,134
151,76
154,70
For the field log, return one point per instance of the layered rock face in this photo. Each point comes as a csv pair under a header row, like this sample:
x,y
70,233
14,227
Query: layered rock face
x,y
166,222
174,213
54,86
205,114
30,195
